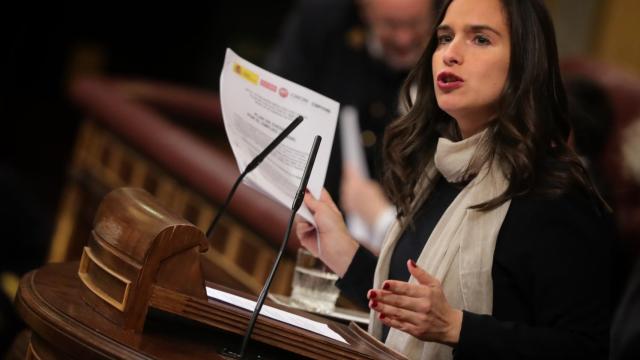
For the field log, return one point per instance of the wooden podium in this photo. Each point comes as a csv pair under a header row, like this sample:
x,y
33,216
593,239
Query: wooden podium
x,y
138,293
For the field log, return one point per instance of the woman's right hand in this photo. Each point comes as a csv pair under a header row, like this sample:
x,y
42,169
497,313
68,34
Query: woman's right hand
x,y
337,247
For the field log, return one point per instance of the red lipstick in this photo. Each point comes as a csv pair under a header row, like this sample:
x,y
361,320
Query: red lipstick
x,y
448,81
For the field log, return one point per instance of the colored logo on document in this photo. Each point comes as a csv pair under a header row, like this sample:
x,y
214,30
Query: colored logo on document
x,y
246,73
283,92
265,84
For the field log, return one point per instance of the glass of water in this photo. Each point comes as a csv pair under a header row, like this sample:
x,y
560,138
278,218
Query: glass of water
x,y
313,284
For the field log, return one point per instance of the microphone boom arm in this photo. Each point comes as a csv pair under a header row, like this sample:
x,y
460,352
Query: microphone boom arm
x,y
252,165
297,202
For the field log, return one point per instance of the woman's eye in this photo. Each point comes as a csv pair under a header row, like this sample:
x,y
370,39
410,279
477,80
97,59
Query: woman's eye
x,y
482,40
444,39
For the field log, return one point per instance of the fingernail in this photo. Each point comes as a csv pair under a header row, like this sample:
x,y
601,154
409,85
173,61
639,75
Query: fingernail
x,y
372,295
382,316
386,286
413,263
374,304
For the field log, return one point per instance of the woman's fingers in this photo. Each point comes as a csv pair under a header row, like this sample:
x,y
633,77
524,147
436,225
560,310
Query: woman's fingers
x,y
337,246
398,324
397,313
311,203
304,229
307,235
421,275
325,200
419,309
325,197
416,304
425,280
404,288
420,302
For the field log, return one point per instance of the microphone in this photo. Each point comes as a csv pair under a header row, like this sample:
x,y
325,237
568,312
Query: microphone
x,y
252,165
295,206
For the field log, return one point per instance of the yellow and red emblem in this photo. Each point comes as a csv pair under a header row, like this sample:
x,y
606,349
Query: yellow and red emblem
x,y
246,73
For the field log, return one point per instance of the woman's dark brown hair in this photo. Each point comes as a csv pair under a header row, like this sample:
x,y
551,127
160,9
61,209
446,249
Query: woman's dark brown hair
x,y
529,132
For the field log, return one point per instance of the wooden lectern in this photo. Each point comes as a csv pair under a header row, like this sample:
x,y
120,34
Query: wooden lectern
x,y
141,258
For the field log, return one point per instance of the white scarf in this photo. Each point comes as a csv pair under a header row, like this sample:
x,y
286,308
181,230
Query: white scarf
x,y
459,252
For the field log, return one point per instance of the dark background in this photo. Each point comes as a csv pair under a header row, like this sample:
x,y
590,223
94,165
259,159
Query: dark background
x,y
43,46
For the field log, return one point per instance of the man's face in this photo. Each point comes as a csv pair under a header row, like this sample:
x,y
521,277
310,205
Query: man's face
x,y
401,27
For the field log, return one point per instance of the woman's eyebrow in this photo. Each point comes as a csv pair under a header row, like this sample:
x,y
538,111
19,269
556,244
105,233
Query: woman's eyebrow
x,y
477,28
469,28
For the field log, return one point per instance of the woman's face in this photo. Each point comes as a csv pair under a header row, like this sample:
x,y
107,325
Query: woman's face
x,y
471,62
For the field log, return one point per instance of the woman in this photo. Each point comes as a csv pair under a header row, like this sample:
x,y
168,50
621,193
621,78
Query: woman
x,y
499,227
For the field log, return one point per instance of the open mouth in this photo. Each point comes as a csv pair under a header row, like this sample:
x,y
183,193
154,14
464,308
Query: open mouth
x,y
447,77
448,81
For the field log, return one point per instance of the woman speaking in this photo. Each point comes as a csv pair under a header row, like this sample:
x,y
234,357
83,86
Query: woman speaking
x,y
499,249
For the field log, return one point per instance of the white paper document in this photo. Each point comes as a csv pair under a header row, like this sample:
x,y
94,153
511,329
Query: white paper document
x,y
256,107
353,156
276,314
351,141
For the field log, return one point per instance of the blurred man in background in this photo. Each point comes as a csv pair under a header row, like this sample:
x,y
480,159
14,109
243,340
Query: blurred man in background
x,y
357,53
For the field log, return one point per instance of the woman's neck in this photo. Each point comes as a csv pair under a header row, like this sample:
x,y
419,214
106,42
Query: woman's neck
x,y
470,125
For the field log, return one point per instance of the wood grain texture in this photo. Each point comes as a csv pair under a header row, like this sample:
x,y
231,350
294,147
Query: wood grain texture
x,y
65,327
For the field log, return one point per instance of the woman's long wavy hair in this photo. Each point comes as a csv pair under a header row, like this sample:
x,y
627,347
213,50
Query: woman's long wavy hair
x,y
529,133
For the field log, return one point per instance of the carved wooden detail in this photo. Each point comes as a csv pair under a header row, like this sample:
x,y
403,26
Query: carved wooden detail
x,y
102,162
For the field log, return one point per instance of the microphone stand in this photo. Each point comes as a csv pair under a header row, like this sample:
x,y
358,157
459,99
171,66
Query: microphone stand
x,y
297,202
252,165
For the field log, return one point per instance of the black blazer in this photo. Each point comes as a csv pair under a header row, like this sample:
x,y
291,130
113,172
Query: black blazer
x,y
550,284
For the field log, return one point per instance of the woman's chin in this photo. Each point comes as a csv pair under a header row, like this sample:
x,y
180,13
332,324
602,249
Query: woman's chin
x,y
451,108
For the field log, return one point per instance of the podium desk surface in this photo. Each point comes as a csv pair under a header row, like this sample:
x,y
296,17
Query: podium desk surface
x,y
65,327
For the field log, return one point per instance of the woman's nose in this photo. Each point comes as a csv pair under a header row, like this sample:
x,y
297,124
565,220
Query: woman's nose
x,y
453,54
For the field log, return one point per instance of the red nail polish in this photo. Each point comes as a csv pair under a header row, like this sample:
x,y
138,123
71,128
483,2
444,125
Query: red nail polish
x,y
372,295
374,303
382,316
413,263
385,286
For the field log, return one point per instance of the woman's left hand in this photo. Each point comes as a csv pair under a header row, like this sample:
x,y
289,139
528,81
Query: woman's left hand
x,y
419,309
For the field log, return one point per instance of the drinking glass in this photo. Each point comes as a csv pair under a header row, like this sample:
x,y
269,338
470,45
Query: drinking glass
x,y
313,284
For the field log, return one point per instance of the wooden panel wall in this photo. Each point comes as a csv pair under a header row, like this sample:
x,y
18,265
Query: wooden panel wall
x,y
606,30
102,162
616,38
